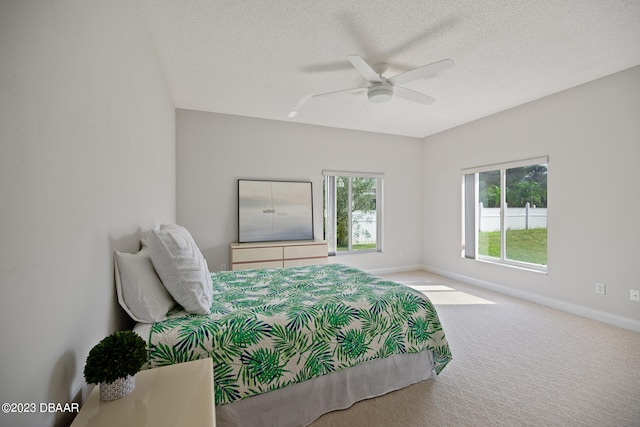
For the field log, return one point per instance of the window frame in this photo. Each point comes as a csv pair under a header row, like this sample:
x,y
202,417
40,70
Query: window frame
x,y
470,219
330,210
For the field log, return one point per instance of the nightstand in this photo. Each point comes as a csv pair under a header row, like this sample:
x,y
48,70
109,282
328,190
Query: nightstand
x,y
175,395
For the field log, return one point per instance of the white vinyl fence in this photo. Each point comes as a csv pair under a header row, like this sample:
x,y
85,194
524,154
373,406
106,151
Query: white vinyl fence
x,y
364,227
515,219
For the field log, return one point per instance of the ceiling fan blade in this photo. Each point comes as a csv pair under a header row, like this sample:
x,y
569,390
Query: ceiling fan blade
x,y
364,69
421,72
412,95
366,106
355,89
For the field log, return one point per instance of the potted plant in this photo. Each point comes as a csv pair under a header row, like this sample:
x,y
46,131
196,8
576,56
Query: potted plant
x,y
114,361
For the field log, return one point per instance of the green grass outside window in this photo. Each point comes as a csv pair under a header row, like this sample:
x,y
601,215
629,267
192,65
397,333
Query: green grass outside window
x,y
522,245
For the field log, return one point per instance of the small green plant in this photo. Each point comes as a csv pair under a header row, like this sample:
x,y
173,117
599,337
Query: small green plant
x,y
117,356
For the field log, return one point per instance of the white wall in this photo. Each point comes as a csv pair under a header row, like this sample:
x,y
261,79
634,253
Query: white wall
x,y
215,150
591,134
87,159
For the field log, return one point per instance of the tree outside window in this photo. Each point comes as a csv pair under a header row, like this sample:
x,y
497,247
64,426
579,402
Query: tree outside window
x,y
352,212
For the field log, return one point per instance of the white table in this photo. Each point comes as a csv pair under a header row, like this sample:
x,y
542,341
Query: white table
x,y
175,395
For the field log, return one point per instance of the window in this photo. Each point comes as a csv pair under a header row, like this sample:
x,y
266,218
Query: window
x,y
353,211
505,213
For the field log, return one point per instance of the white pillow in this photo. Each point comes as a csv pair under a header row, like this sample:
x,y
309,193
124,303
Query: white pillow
x,y
181,267
140,291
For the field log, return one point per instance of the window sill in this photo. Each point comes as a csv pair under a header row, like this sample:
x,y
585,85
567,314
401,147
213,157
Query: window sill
x,y
531,268
364,251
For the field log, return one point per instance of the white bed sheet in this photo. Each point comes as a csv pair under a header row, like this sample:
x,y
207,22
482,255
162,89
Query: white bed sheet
x,y
143,329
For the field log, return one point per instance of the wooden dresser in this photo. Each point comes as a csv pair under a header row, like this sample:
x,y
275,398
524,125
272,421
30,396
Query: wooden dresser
x,y
278,254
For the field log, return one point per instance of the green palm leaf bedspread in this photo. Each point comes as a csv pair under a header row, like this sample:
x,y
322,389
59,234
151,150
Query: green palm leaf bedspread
x,y
272,328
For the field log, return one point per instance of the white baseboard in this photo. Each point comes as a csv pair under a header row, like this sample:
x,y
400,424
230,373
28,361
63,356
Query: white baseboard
x,y
589,313
392,270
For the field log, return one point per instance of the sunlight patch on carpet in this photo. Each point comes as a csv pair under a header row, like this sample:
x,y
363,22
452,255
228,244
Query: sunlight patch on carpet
x,y
440,294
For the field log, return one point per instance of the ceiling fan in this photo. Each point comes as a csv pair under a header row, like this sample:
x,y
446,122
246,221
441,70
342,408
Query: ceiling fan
x,y
382,89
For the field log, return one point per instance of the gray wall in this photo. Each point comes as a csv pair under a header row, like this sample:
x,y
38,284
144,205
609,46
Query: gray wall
x,y
87,160
214,150
591,134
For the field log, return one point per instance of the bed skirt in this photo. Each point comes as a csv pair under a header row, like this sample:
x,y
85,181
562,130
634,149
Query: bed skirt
x,y
301,404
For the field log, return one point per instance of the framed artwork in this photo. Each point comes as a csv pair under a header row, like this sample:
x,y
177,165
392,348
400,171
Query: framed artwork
x,y
274,210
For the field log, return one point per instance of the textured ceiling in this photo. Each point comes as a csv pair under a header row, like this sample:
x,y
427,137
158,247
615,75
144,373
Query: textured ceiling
x,y
265,58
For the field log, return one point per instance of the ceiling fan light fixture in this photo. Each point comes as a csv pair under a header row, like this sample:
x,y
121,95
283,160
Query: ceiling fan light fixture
x,y
380,93
382,89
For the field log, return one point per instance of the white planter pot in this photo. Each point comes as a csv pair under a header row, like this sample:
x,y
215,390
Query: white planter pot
x,y
117,389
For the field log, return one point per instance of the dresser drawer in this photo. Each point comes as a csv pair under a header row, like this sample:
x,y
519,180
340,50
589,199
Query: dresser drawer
x,y
306,251
252,265
256,254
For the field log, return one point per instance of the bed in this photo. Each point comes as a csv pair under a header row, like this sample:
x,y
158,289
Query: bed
x,y
291,344
287,345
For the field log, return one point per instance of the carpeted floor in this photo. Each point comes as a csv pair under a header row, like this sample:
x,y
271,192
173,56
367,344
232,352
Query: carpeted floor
x,y
515,363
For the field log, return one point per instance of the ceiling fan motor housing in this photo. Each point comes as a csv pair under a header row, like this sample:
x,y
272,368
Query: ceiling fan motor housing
x,y
380,93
